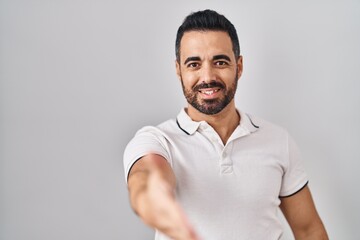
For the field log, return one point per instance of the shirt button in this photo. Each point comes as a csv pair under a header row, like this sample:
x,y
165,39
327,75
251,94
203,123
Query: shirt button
x,y
224,154
227,169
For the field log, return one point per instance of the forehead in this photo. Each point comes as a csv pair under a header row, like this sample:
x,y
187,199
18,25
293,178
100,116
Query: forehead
x,y
203,43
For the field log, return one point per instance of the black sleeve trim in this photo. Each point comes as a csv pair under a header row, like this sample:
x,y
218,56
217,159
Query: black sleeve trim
x,y
128,173
296,191
177,122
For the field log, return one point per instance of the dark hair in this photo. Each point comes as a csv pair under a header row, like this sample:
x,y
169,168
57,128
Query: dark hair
x,y
204,21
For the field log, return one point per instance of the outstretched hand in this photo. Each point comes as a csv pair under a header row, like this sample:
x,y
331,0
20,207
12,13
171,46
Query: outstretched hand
x,y
152,185
159,209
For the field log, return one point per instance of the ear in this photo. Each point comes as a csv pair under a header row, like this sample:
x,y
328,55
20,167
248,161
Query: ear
x,y
178,71
239,66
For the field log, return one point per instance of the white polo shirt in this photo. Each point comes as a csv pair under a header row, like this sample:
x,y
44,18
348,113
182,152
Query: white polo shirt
x,y
228,191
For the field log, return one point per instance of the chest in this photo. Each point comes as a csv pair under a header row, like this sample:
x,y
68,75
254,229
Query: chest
x,y
245,169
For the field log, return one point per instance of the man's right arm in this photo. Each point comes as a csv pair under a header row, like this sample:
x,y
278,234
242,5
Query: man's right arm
x,y
151,184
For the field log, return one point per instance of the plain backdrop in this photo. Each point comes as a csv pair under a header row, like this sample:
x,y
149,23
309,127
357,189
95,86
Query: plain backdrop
x,y
79,77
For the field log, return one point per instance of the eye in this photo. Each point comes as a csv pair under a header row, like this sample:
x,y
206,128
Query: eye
x,y
221,63
193,65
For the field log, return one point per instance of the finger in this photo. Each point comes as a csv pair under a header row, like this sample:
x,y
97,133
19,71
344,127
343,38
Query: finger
x,y
175,222
171,218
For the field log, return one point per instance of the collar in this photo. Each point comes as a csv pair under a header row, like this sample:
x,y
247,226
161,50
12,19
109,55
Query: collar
x,y
188,126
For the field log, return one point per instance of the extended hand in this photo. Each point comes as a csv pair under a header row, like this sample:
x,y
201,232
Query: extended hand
x,y
158,208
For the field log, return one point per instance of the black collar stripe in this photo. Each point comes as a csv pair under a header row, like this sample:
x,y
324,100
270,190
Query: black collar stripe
x,y
177,122
252,121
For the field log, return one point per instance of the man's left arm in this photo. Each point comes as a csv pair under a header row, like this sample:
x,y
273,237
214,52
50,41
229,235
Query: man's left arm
x,y
300,212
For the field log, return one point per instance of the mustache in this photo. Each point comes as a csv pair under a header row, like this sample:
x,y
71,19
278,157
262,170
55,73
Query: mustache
x,y
212,84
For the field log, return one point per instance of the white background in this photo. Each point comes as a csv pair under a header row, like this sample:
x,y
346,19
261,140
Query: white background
x,y
78,78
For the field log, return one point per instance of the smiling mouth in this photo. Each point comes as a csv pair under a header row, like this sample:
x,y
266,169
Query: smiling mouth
x,y
209,91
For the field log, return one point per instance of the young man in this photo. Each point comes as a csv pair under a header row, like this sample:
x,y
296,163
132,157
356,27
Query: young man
x,y
215,172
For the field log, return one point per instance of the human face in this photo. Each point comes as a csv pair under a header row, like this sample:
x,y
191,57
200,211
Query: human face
x,y
208,70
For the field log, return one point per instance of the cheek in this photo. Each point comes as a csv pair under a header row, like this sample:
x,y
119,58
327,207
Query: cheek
x,y
189,80
229,77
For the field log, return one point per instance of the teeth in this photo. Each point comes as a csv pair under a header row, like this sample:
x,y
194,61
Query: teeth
x,y
209,92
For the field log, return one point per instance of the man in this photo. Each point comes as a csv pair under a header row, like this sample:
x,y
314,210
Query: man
x,y
215,172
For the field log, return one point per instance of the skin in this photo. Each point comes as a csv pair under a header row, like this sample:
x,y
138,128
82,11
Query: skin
x,y
151,180
151,186
300,212
205,46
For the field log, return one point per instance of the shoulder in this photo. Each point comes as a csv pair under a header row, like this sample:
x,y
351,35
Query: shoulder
x,y
148,139
161,129
162,133
266,127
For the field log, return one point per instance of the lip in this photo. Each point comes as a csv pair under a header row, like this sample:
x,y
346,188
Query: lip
x,y
210,93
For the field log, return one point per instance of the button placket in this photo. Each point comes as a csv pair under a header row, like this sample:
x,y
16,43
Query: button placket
x,y
226,165
210,134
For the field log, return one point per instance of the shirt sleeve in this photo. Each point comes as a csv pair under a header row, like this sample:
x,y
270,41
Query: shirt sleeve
x,y
294,177
147,140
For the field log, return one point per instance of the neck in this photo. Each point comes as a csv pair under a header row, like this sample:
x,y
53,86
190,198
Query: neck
x,y
224,122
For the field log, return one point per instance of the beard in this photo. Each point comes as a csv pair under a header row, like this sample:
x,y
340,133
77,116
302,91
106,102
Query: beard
x,y
210,106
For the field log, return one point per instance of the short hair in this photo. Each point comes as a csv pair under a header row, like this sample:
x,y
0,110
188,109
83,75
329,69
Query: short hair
x,y
207,20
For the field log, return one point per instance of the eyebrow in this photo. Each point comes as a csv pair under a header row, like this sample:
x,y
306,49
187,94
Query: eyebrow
x,y
222,56
216,57
189,59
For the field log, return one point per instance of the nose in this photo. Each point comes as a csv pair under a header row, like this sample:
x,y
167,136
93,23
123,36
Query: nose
x,y
207,73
